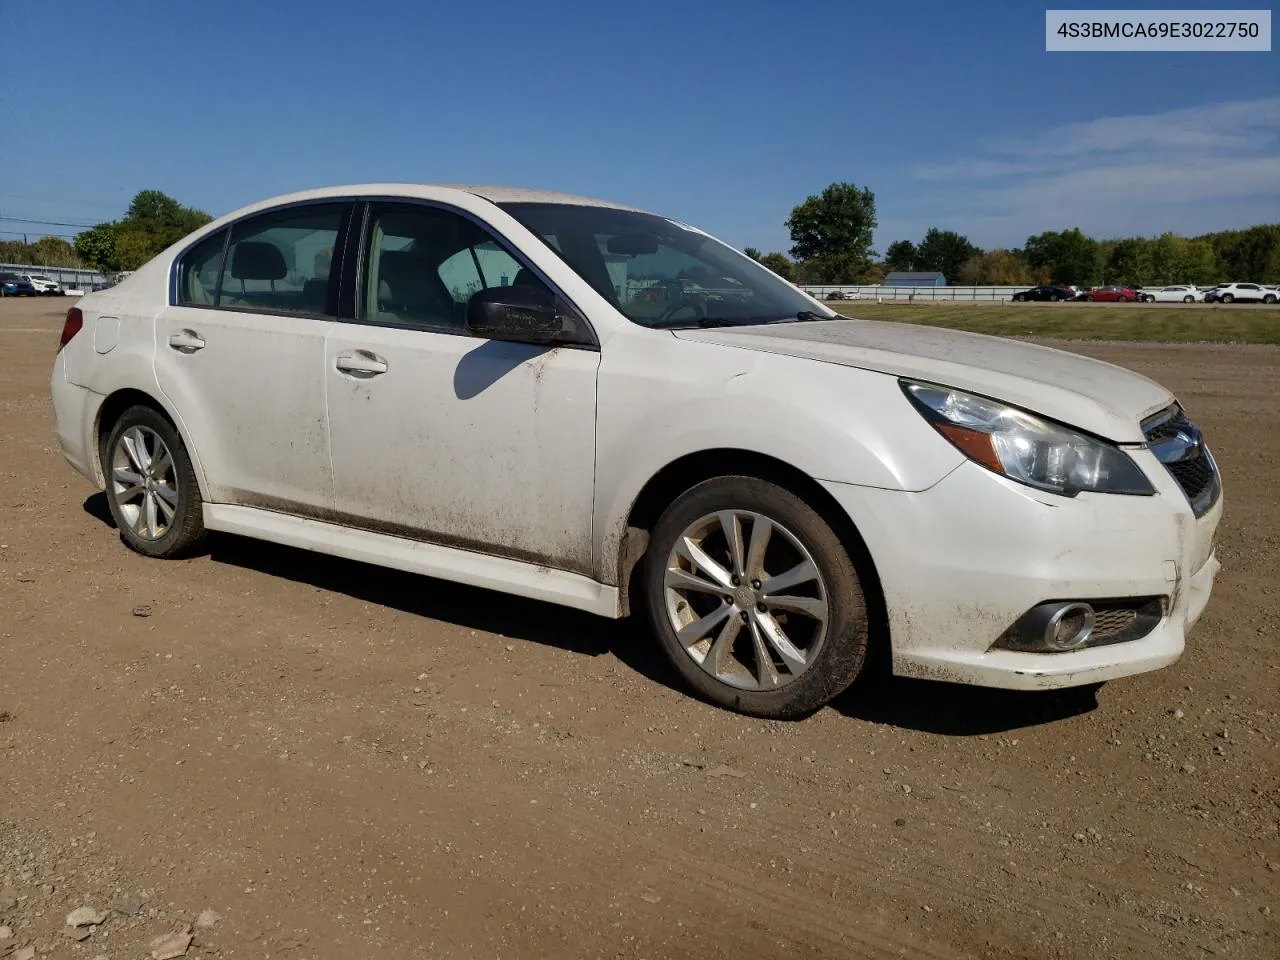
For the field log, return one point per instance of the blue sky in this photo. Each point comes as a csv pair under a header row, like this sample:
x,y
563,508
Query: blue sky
x,y
724,114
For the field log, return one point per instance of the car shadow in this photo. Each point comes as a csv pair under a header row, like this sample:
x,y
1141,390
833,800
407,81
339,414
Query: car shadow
x,y
929,706
96,507
956,709
465,606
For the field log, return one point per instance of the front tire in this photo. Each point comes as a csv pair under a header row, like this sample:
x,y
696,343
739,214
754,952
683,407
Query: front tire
x,y
1228,298
151,486
754,599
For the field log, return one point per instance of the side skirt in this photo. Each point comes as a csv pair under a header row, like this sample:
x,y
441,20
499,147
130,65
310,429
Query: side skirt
x,y
412,556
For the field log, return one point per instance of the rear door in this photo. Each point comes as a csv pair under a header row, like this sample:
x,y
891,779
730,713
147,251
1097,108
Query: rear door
x,y
240,355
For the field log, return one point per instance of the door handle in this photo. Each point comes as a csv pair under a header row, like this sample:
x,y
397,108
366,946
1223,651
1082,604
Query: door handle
x,y
186,341
362,363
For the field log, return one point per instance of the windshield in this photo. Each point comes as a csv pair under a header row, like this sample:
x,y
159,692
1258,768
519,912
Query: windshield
x,y
661,273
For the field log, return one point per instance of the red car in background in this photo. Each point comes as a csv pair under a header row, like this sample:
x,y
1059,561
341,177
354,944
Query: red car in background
x,y
1116,294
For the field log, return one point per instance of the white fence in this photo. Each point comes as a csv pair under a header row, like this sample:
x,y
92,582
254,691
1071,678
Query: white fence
x,y
913,294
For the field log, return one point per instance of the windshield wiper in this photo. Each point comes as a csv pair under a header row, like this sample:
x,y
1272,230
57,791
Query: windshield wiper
x,y
706,323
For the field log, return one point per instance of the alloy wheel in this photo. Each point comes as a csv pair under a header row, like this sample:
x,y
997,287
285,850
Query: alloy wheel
x,y
746,600
144,482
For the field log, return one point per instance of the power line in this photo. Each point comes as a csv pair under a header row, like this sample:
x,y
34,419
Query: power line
x,y
19,233
47,223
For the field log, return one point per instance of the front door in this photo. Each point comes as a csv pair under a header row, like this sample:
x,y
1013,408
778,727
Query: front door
x,y
442,436
241,357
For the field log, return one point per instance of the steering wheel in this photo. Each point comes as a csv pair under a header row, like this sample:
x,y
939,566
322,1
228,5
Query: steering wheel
x,y
685,303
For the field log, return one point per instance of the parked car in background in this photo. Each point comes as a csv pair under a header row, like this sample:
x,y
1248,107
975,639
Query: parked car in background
x,y
1046,292
780,492
44,286
12,285
1112,295
1178,293
1241,293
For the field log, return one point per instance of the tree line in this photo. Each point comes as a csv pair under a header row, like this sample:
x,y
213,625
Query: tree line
x,y
153,221
45,252
831,243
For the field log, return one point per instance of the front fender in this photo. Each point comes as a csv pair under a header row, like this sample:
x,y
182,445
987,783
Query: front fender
x,y
661,398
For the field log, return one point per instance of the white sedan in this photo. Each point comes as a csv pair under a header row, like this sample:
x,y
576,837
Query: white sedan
x,y
599,407
1178,293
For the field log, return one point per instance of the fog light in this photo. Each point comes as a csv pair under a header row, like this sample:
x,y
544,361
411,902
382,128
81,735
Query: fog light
x,y
1069,627
1052,628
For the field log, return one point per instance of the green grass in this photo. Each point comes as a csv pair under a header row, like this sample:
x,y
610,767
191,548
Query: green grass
x,y
1174,323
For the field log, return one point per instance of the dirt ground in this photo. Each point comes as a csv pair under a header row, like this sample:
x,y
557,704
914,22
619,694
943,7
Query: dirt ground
x,y
344,761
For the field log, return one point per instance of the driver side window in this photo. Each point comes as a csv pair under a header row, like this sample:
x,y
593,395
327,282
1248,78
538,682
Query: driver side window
x,y
423,265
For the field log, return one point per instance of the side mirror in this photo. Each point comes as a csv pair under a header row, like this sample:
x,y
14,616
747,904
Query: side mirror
x,y
522,314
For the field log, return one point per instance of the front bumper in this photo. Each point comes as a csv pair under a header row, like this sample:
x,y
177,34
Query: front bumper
x,y
961,562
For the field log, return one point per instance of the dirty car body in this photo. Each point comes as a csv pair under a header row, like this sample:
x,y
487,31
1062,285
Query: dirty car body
x,y
498,387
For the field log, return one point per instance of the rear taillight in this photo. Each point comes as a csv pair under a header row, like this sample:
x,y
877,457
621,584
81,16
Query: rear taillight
x,y
71,326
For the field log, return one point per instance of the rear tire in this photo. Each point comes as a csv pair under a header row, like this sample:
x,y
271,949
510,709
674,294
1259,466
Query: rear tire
x,y
774,653
151,486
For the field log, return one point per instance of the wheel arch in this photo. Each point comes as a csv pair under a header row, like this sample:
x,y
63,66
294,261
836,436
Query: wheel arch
x,y
110,411
665,486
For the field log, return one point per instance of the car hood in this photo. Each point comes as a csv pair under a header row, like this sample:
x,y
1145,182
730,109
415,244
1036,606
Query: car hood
x,y
1091,395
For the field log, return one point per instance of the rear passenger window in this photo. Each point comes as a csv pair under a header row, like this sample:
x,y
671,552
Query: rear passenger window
x,y
279,262
198,272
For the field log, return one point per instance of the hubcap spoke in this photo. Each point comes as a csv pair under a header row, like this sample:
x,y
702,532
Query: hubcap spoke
x,y
689,581
160,464
802,572
810,606
168,496
697,556
761,532
166,509
714,660
731,525
766,673
121,475
135,447
152,528
128,484
691,633
772,632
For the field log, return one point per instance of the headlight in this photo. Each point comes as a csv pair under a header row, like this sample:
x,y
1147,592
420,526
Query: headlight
x,y
1023,447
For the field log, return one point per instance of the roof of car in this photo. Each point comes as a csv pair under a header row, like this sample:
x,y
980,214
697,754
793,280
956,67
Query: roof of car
x,y
492,193
500,194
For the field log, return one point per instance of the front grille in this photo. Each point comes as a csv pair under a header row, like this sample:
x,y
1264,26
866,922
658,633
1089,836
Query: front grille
x,y
1178,444
1165,425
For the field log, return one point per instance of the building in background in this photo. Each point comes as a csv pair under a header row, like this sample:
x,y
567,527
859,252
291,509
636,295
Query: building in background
x,y
929,278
